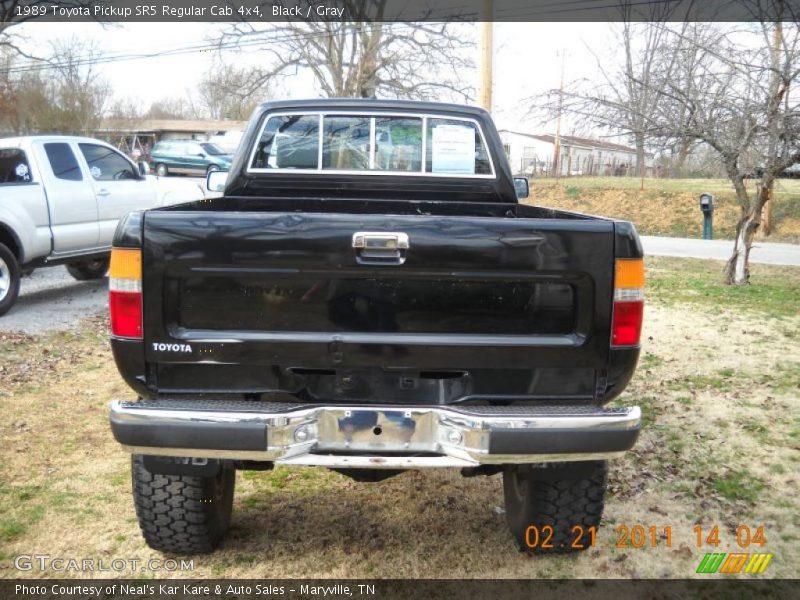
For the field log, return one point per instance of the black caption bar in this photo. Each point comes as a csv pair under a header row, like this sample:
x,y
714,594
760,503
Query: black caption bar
x,y
387,589
397,10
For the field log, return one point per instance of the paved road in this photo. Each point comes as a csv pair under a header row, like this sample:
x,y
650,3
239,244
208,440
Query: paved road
x,y
50,299
762,252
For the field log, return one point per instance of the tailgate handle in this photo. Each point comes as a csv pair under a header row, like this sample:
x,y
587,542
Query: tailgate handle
x,y
380,247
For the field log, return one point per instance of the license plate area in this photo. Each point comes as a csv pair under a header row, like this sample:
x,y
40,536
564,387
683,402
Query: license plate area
x,y
384,431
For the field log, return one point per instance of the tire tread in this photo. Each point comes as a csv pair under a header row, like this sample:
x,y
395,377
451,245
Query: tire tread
x,y
172,514
561,503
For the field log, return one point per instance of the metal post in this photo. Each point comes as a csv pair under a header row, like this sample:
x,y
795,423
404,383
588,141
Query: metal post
x,y
708,226
557,140
707,208
486,51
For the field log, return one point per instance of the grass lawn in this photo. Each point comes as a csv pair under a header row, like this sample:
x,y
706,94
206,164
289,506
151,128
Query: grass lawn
x,y
667,206
773,291
718,382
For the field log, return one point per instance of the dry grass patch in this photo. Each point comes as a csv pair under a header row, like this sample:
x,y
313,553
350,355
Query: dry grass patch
x,y
667,207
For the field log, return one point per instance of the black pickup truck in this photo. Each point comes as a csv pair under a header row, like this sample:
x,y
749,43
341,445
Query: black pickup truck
x,y
369,296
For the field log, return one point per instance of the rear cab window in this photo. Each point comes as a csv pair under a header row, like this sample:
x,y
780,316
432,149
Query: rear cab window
x,y
62,161
352,142
14,166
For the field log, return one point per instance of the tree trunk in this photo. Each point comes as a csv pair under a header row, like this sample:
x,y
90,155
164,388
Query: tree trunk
x,y
640,162
737,271
684,147
767,226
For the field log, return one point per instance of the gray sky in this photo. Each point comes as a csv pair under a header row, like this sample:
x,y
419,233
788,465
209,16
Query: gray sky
x,y
525,60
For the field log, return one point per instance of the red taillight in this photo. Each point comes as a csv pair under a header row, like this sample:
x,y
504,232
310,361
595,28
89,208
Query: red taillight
x,y
626,323
126,314
626,326
125,292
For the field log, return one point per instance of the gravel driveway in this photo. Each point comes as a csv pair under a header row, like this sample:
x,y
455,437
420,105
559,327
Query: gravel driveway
x,y
50,299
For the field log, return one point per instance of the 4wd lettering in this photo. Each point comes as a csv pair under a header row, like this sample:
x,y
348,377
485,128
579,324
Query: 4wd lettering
x,y
159,347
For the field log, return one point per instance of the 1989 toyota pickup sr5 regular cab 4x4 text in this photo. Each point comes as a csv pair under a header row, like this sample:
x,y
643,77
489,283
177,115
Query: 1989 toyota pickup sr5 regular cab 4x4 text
x,y
369,296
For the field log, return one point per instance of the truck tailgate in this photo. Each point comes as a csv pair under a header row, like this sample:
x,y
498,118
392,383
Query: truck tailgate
x,y
242,293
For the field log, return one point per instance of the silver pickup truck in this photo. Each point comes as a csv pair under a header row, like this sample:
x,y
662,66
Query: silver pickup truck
x,y
60,200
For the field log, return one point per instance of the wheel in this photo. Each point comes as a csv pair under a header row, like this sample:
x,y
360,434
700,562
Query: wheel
x,y
162,170
9,279
179,513
88,270
211,169
551,509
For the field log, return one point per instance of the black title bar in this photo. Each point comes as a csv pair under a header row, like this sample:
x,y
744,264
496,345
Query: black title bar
x,y
386,589
397,10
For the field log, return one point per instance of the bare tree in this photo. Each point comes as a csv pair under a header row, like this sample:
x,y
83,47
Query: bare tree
x,y
231,92
16,12
738,103
638,96
724,86
65,94
626,89
170,108
124,109
8,106
362,56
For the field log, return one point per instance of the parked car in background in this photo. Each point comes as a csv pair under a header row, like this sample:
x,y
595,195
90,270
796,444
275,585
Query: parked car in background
x,y
189,157
228,141
60,200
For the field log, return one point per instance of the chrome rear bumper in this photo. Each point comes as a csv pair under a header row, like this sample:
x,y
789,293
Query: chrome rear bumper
x,y
375,436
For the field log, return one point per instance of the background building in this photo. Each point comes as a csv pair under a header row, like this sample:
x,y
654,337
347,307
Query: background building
x,y
137,136
533,154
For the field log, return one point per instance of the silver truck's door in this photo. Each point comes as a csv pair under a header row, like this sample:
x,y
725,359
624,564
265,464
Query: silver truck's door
x,y
117,185
71,201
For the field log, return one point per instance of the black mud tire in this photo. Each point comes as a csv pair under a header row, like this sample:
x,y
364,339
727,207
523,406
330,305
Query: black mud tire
x,y
564,500
179,514
89,270
9,279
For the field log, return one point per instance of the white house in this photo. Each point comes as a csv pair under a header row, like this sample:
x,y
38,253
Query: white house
x,y
533,154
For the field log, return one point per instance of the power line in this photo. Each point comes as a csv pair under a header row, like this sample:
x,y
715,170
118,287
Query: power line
x,y
587,5
550,8
233,44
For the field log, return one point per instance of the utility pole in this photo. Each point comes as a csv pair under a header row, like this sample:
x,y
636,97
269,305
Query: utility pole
x,y
557,141
775,57
486,51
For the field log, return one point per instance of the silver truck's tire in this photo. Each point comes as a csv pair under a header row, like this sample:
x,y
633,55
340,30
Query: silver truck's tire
x,y
162,170
561,502
88,270
182,514
9,279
